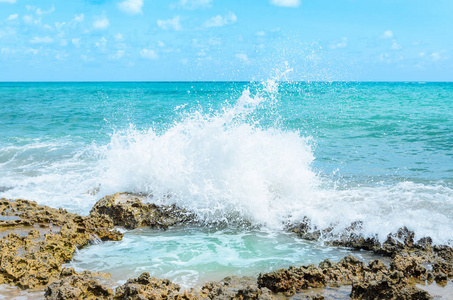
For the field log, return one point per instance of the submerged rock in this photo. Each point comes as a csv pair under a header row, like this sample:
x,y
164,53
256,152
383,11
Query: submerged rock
x,y
130,211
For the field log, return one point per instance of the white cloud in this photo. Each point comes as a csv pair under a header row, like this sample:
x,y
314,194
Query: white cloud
x,y
385,58
395,45
76,42
118,55
286,3
101,23
261,33
44,12
132,7
79,18
8,1
160,44
8,31
388,34
102,43
41,40
59,25
86,58
193,4
243,57
149,54
61,55
342,44
219,20
435,56
32,51
215,41
118,37
29,20
170,23
7,51
12,17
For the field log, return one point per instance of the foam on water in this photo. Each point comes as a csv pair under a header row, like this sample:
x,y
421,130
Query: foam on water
x,y
224,166
193,256
219,166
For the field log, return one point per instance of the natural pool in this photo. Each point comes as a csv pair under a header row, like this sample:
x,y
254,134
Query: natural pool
x,y
194,255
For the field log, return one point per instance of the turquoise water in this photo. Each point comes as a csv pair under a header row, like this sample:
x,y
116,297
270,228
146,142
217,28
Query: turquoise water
x,y
266,153
193,256
371,131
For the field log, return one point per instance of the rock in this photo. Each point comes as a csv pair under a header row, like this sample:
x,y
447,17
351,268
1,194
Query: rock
x,y
78,286
385,288
374,281
234,287
292,280
36,240
41,239
130,211
409,265
403,239
146,287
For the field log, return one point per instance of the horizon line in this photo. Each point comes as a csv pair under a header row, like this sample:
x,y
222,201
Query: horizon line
x,y
222,81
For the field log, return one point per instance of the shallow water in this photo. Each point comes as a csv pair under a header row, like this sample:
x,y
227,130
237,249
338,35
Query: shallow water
x,y
193,256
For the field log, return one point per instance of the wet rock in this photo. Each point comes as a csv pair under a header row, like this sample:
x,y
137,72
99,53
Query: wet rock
x,y
78,286
292,280
445,252
234,287
374,281
130,211
403,239
33,249
386,289
396,243
409,265
147,287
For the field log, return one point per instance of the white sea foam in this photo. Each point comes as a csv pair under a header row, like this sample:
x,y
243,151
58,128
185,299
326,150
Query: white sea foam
x,y
219,166
223,167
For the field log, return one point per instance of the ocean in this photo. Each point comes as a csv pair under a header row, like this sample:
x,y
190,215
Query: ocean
x,y
263,154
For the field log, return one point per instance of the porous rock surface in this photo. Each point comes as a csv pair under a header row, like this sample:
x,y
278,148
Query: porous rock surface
x,y
130,211
372,281
36,240
85,285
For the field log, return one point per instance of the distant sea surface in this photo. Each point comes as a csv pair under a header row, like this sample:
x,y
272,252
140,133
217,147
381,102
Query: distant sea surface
x,y
267,153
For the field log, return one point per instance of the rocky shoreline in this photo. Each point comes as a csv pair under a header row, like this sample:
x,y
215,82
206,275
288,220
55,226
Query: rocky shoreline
x,y
37,240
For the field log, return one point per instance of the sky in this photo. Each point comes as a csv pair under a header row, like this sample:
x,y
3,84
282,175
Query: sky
x,y
221,40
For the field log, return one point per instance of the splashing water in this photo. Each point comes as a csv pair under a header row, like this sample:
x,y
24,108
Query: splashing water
x,y
234,163
221,167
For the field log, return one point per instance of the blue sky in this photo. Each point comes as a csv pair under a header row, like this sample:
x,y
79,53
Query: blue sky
x,y
46,40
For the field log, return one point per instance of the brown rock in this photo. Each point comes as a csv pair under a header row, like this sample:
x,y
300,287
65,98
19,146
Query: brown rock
x,y
146,287
78,286
130,211
33,250
386,289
